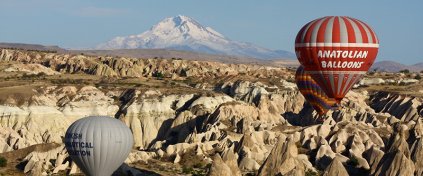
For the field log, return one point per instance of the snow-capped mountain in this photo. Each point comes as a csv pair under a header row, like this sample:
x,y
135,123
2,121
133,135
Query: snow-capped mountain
x,y
184,33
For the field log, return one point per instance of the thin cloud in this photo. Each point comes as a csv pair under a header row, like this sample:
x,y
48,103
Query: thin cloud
x,y
99,12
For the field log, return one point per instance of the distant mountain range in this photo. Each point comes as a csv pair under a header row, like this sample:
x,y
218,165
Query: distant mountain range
x,y
391,66
184,33
30,47
156,53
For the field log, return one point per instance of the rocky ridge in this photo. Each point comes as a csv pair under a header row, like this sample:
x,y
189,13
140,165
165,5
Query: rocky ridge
x,y
133,67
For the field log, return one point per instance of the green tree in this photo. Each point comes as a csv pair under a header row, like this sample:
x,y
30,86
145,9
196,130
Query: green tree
x,y
3,161
353,161
373,71
404,71
158,75
311,173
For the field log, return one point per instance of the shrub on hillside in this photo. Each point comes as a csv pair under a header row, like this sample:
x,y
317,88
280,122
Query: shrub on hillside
x,y
404,71
3,161
158,75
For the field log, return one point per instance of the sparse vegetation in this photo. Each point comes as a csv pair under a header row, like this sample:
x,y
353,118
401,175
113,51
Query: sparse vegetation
x,y
311,173
353,161
187,170
3,162
405,71
30,50
373,71
192,171
199,165
70,81
418,77
159,75
33,76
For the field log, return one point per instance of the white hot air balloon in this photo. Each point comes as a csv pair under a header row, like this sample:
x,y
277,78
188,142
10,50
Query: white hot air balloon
x,y
98,144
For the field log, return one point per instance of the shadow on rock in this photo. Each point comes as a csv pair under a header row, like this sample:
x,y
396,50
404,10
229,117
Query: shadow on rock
x,y
125,170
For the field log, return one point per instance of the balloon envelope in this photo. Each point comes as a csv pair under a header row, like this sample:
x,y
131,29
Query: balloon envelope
x,y
98,145
312,92
336,51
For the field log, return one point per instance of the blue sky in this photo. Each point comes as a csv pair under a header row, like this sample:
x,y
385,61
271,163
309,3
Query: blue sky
x,y
272,23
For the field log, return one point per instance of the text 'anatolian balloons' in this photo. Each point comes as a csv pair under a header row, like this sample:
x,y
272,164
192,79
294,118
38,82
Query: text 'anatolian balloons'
x,y
336,51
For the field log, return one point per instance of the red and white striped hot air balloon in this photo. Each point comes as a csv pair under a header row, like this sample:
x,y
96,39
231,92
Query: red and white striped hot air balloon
x,y
336,51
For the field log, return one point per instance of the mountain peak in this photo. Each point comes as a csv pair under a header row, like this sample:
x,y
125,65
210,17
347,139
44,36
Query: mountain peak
x,y
177,20
184,33
183,25
181,18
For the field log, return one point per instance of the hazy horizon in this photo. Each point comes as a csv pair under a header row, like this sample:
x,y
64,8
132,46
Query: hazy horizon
x,y
271,24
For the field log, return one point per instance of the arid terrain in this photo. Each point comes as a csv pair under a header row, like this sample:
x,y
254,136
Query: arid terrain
x,y
192,117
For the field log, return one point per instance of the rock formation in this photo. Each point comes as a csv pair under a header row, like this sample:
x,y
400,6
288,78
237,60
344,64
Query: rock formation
x,y
335,168
282,159
224,119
